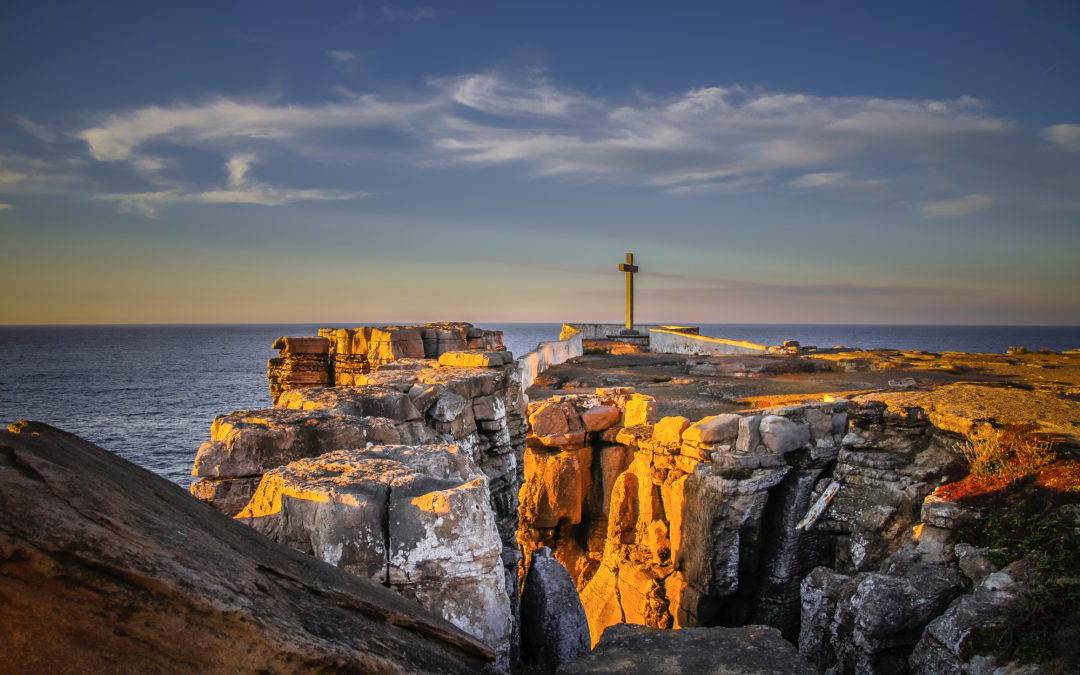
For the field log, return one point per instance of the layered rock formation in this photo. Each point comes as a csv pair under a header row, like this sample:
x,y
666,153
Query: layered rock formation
x,y
702,524
106,567
450,393
554,627
342,356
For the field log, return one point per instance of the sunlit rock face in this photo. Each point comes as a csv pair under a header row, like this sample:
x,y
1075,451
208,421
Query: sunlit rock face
x,y
448,384
673,523
417,519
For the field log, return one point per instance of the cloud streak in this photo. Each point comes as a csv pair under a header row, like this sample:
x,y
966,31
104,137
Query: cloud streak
x,y
960,206
240,188
702,141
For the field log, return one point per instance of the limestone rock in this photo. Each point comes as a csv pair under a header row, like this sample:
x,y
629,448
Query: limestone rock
x,y
780,435
748,650
669,430
251,442
554,628
555,486
106,566
600,417
415,518
714,429
639,410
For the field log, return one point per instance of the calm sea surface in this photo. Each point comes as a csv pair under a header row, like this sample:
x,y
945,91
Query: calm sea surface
x,y
149,393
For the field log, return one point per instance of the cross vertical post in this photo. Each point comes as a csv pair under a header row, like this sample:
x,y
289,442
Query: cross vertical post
x,y
630,268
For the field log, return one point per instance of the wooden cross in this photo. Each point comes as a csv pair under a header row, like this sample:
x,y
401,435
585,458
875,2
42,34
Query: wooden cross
x,y
630,268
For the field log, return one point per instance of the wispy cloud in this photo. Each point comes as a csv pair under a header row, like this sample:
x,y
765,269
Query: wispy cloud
x,y
222,119
342,56
240,188
21,173
701,141
36,130
407,13
961,206
1064,134
5,207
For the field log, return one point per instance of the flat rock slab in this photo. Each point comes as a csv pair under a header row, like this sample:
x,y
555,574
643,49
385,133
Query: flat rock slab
x,y
748,650
107,567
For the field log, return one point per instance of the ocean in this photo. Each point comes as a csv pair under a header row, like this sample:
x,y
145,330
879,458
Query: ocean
x,y
150,393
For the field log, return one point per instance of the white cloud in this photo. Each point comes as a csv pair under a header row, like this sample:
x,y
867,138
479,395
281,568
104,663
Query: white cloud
x,y
222,119
832,180
1064,134
4,207
407,13
961,206
241,189
20,173
342,56
493,94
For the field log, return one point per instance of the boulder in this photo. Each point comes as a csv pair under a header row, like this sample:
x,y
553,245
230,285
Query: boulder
x,y
781,435
714,429
106,566
415,518
669,430
600,417
554,629
747,650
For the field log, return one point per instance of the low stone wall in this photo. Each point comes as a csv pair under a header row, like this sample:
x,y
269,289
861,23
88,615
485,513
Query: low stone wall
x,y
668,341
601,331
549,354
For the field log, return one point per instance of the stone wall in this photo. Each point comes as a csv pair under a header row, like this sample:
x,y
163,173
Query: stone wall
x,y
665,341
549,354
601,331
411,434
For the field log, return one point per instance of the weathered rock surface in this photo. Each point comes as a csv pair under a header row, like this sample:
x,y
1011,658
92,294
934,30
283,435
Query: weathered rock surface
x,y
748,650
553,624
106,567
415,518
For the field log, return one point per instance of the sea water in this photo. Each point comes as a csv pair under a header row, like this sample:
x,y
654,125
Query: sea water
x,y
150,393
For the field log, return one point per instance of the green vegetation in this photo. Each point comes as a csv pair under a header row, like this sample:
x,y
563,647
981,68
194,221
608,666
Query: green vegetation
x,y
1044,624
1010,455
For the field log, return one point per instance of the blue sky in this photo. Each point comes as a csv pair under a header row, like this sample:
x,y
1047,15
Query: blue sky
x,y
493,161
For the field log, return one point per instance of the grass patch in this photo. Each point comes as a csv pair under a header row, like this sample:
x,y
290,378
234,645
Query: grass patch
x,y
1044,624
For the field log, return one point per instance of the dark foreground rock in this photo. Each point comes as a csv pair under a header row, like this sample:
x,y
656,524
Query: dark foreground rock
x,y
748,650
106,567
554,627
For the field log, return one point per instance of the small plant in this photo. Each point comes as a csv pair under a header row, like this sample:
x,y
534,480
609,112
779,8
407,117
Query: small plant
x,y
1012,454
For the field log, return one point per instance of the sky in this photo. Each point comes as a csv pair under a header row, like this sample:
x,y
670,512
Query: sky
x,y
343,162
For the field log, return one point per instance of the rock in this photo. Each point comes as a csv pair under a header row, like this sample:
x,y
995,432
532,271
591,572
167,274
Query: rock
x,y
714,429
302,345
448,407
251,442
548,420
748,650
668,431
415,518
554,628
973,562
749,435
639,410
555,487
106,566
780,435
600,417
902,383
471,360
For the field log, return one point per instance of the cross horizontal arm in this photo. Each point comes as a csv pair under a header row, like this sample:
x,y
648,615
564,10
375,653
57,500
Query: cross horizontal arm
x,y
628,268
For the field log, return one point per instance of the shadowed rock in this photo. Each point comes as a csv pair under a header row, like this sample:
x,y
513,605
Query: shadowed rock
x,y
749,650
106,567
553,623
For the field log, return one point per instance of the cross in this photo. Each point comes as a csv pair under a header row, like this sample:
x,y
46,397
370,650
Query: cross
x,y
630,268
